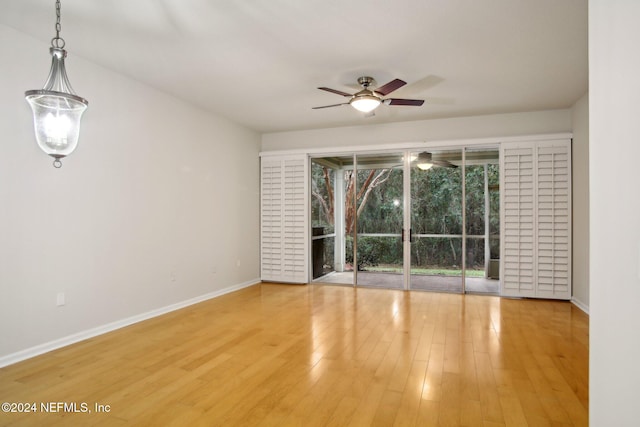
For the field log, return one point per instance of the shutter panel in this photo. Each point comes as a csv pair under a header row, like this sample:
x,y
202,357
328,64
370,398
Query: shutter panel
x,y
554,213
536,218
518,201
284,219
271,219
294,216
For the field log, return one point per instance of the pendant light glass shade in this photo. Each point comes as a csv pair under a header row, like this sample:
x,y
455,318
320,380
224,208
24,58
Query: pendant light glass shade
x,y
57,110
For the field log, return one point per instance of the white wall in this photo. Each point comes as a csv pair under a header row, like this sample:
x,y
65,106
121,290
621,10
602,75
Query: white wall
x,y
496,125
580,193
158,205
614,153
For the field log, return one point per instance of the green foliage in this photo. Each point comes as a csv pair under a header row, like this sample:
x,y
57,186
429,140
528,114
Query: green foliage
x,y
383,209
436,208
373,251
321,198
436,252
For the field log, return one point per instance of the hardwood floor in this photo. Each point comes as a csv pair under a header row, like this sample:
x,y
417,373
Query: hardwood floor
x,y
285,355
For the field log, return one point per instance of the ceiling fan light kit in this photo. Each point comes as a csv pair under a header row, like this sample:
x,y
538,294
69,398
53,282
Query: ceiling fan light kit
x,y
368,100
425,166
423,161
365,103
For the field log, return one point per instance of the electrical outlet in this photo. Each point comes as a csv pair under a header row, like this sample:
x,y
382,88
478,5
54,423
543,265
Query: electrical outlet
x,y
172,276
238,263
60,299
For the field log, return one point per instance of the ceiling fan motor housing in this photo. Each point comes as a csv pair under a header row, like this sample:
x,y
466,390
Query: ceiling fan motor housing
x,y
365,81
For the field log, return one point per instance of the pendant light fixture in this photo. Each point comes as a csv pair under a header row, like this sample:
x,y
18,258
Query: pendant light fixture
x,y
57,110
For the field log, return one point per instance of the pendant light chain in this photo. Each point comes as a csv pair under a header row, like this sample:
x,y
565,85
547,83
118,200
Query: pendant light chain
x,y
57,41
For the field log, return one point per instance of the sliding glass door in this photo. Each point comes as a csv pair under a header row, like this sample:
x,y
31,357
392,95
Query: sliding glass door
x,y
330,241
436,221
482,220
422,220
378,215
322,220
357,220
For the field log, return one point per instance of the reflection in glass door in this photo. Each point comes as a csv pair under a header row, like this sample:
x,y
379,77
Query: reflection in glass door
x,y
436,221
329,242
322,219
378,217
482,220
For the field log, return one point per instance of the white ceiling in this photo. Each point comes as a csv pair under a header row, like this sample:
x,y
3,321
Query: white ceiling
x,y
259,62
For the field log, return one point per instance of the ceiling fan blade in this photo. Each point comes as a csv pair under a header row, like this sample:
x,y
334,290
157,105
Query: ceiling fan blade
x,y
338,92
327,106
443,164
390,87
408,102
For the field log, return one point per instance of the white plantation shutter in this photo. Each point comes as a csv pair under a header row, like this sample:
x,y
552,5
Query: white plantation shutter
x,y
284,219
536,194
518,196
554,220
271,219
295,217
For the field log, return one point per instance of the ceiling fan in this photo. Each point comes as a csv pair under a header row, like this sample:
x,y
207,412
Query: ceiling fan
x,y
368,100
425,161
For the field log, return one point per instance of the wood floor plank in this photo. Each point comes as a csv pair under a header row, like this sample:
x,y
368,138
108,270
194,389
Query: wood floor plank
x,y
412,395
387,409
428,414
432,389
282,355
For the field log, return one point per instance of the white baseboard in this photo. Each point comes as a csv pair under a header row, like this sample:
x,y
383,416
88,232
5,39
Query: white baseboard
x,y
582,306
37,350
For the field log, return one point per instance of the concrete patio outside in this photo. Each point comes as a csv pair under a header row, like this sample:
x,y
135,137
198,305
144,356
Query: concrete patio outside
x,y
421,282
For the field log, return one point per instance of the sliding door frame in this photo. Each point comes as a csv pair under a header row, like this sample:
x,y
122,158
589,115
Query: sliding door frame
x,y
499,142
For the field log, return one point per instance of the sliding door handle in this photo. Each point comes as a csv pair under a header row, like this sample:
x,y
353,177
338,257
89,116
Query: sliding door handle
x,y
410,235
